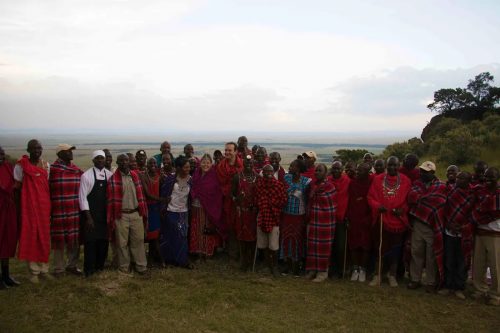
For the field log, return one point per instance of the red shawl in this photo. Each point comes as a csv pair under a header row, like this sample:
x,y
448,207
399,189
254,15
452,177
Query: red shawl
x,y
34,240
8,216
226,172
322,203
342,187
271,198
413,174
64,184
377,198
427,205
487,208
115,198
206,188
458,210
310,173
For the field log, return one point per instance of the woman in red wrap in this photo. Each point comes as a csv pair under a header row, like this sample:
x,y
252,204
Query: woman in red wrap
x,y
8,221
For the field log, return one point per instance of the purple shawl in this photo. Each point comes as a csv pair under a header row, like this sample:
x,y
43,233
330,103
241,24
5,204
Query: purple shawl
x,y
207,190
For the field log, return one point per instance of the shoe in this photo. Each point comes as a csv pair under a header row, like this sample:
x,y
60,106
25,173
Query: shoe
x,y
310,275
145,274
431,289
362,275
460,294
47,276
392,281
74,270
355,275
11,282
412,285
3,285
320,277
493,301
34,279
374,282
444,292
478,295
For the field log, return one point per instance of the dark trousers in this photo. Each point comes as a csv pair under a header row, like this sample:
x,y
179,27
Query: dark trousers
x,y
339,249
95,254
455,273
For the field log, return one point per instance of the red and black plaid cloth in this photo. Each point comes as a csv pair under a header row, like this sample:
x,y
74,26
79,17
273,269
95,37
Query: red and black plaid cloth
x,y
427,204
115,197
271,198
487,207
64,182
458,210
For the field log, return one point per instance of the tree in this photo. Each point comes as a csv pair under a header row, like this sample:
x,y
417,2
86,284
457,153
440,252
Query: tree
x,y
355,155
400,149
457,146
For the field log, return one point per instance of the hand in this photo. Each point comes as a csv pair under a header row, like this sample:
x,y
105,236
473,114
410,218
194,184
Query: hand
x,y
382,209
397,212
89,224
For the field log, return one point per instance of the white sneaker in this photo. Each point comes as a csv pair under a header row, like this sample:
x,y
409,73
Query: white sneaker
x,y
320,277
34,279
362,275
374,282
355,275
392,281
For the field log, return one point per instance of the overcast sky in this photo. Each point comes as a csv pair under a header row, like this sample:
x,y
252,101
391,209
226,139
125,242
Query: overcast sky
x,y
287,66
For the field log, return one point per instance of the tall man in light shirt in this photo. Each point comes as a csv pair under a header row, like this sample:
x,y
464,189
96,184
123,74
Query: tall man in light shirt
x,y
93,201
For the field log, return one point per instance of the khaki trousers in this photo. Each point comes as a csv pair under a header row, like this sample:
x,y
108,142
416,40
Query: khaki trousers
x,y
422,254
37,268
487,254
129,234
60,264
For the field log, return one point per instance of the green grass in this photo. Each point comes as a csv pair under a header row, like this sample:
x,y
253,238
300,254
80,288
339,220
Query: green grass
x,y
215,297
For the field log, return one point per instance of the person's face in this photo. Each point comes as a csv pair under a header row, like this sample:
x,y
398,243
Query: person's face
x,y
185,169
379,166
260,155
320,173
123,163
426,176
99,162
229,151
275,161
188,151
350,170
491,178
152,166
479,170
165,147
368,159
166,160
392,167
242,142
140,159
248,165
2,156
451,174
205,165
463,180
268,172
410,162
66,155
35,150
132,163
217,158
192,164
336,170
293,168
109,159
362,171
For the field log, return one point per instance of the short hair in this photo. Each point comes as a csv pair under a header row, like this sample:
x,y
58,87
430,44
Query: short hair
x,y
180,161
232,143
206,157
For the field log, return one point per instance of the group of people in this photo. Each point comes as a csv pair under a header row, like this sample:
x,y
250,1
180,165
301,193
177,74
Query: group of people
x,y
372,217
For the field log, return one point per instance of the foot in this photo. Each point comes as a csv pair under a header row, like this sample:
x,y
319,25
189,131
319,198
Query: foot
x,y
34,279
374,282
392,281
355,275
431,289
74,270
47,276
412,285
320,277
11,282
478,295
275,272
310,275
444,292
495,301
459,294
3,286
362,275
145,274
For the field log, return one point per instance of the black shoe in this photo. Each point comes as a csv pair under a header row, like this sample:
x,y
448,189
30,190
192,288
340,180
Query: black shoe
x,y
3,285
10,282
413,285
430,289
74,270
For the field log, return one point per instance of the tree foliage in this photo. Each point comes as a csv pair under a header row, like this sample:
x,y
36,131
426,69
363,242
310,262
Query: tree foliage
x,y
400,149
457,146
355,155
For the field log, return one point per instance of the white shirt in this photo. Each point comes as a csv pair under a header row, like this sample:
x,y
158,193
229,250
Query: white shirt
x,y
87,184
179,197
492,226
19,173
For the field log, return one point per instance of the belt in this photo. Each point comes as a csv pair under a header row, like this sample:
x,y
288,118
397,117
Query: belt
x,y
129,211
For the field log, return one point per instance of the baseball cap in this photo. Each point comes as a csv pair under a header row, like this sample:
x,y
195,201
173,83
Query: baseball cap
x,y
64,146
98,153
310,154
428,166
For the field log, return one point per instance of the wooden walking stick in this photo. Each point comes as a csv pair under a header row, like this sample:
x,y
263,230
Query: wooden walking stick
x,y
380,253
345,249
254,257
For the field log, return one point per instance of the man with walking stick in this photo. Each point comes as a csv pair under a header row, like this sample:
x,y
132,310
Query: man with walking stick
x,y
387,198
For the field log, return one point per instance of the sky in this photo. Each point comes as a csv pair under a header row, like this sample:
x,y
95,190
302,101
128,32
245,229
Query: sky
x,y
191,66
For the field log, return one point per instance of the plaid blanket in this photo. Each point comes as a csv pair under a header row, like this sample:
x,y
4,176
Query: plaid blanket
x,y
458,210
271,198
487,207
427,204
64,182
115,197
322,205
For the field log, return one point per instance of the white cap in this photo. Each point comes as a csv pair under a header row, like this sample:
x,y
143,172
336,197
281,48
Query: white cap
x,y
98,153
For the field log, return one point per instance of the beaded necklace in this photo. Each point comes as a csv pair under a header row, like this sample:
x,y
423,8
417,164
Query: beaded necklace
x,y
391,191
